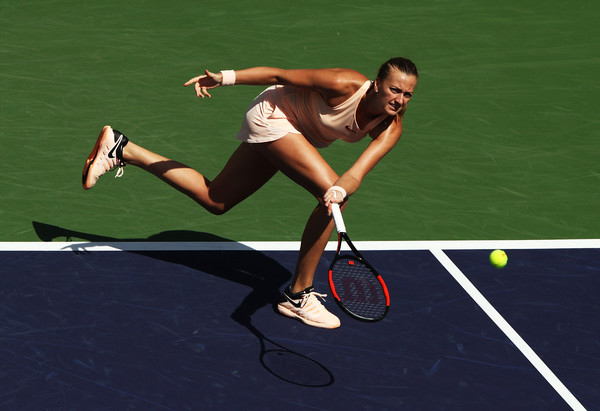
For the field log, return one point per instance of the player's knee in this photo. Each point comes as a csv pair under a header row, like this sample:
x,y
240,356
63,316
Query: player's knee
x,y
218,208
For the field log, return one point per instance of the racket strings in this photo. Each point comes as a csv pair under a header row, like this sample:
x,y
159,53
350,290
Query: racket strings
x,y
359,290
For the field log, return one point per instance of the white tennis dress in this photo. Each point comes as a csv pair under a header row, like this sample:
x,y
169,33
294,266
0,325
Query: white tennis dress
x,y
280,110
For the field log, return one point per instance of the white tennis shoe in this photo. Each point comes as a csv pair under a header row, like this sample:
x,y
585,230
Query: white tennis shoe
x,y
106,155
306,307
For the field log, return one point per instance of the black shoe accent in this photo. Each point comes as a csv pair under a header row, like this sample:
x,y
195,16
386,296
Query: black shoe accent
x,y
296,296
119,147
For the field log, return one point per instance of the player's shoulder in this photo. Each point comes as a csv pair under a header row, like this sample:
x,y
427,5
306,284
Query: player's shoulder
x,y
341,84
348,78
391,127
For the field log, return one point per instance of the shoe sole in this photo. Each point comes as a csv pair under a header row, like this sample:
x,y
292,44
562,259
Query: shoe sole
x,y
90,160
289,313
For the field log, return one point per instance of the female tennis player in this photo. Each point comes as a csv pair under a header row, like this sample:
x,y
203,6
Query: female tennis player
x,y
301,111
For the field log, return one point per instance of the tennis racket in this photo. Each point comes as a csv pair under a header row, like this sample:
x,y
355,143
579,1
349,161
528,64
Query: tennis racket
x,y
356,287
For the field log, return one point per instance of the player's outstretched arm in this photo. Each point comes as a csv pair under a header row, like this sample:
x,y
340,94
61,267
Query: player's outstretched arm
x,y
334,84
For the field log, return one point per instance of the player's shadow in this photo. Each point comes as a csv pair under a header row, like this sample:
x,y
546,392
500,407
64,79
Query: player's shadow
x,y
262,274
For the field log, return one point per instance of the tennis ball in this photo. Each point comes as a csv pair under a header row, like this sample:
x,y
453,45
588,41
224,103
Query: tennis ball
x,y
498,258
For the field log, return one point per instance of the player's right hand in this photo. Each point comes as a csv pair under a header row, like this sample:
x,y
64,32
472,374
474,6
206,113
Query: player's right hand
x,y
335,194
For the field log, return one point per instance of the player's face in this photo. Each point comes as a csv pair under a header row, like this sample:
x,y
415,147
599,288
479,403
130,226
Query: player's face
x,y
395,91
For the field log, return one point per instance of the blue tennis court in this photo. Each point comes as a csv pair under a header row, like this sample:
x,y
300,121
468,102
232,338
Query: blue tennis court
x,y
191,325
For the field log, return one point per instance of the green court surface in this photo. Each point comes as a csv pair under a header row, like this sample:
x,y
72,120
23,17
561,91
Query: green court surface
x,y
501,138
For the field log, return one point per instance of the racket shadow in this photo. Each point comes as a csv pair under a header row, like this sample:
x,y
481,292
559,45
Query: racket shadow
x,y
285,364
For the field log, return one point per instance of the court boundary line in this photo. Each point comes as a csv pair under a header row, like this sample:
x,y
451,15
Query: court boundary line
x,y
507,329
295,245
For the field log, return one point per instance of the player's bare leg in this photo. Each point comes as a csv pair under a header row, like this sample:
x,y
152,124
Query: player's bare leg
x,y
300,161
245,172
314,240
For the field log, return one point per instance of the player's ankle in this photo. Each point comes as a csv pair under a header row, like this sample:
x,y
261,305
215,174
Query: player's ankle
x,y
297,291
127,157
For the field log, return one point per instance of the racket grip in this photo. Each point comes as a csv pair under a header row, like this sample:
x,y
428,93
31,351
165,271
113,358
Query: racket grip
x,y
337,218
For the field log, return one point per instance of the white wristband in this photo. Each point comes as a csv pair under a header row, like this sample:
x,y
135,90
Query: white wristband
x,y
228,77
339,189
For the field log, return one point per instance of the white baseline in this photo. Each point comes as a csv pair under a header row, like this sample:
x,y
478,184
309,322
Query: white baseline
x,y
295,245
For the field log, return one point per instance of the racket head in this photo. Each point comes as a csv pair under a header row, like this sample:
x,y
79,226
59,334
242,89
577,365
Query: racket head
x,y
357,288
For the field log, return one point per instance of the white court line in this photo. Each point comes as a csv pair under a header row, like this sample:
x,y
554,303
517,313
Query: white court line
x,y
507,329
295,245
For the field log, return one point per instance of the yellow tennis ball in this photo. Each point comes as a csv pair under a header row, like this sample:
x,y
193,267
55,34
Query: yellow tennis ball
x,y
498,258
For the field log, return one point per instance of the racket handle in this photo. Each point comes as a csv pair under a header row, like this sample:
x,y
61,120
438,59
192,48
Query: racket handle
x,y
337,217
